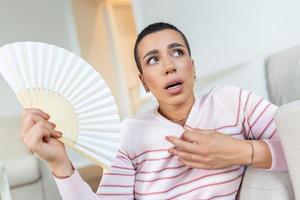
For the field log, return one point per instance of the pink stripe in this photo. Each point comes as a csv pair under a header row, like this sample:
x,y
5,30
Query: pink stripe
x,y
119,167
265,128
191,181
148,151
126,186
123,153
222,195
123,158
273,133
246,104
250,115
117,174
213,184
152,159
164,178
157,171
114,194
264,110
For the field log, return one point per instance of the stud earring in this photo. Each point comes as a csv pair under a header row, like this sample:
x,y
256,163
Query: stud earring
x,y
147,91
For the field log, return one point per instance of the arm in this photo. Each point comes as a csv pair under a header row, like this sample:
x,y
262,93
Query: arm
x,y
40,136
210,149
259,125
115,184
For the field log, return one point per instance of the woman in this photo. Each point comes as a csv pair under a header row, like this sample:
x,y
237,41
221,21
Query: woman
x,y
186,148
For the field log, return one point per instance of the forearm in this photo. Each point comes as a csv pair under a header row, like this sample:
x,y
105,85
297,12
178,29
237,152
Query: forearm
x,y
259,157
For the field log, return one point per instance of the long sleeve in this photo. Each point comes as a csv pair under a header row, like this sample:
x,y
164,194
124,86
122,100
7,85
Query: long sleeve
x,y
117,183
259,124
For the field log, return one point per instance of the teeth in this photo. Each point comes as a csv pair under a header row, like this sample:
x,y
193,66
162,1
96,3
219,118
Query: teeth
x,y
174,86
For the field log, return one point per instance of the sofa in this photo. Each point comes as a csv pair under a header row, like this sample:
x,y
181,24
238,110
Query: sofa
x,y
276,77
280,83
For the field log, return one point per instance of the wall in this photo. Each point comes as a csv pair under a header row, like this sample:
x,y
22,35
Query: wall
x,y
225,33
48,21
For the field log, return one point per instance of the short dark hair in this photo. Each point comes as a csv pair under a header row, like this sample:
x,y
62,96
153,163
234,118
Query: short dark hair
x,y
152,28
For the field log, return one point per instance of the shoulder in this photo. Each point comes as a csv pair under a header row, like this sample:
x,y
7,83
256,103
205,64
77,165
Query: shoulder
x,y
138,120
226,93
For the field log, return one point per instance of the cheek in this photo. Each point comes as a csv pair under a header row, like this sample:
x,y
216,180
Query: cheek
x,y
151,79
188,68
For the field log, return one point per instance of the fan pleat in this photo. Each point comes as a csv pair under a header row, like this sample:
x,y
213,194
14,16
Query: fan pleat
x,y
69,89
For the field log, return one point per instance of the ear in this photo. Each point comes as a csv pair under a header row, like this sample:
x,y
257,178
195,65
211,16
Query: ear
x,y
143,82
194,68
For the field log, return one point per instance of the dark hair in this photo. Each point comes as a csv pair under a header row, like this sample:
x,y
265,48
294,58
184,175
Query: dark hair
x,y
152,28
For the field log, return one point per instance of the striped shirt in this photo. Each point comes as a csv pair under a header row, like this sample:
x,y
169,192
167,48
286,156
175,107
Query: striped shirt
x,y
143,168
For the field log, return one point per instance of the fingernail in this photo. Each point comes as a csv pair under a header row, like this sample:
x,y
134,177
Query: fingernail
x,y
54,125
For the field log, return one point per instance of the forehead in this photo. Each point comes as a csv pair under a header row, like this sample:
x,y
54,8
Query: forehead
x,y
159,40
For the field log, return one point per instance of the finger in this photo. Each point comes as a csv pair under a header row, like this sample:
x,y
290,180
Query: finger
x,y
192,164
183,145
33,140
28,123
35,111
185,155
40,125
191,136
32,119
40,133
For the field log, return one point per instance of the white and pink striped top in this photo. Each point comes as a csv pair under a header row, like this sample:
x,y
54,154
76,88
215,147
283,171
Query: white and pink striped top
x,y
144,169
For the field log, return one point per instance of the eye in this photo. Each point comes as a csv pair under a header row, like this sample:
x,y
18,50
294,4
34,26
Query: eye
x,y
152,60
178,52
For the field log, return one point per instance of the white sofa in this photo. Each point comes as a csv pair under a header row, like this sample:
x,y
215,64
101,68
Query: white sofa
x,y
28,177
282,75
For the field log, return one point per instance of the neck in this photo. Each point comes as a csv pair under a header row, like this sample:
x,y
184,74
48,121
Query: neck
x,y
177,113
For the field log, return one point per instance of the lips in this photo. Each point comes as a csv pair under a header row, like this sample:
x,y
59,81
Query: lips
x,y
173,83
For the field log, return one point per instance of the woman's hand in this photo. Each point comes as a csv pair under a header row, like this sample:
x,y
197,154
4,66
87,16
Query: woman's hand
x,y
40,137
208,149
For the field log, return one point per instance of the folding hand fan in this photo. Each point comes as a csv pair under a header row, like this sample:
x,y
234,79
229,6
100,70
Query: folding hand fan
x,y
68,89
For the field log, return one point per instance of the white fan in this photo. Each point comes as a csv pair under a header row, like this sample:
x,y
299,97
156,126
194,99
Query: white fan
x,y
69,89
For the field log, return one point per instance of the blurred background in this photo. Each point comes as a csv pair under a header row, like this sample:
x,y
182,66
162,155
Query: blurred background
x,y
229,41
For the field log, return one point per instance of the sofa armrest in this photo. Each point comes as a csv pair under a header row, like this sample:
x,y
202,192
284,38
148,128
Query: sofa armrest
x,y
287,119
267,185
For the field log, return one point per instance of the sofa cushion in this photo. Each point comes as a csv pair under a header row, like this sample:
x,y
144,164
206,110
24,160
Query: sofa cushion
x,y
22,171
287,119
283,76
267,185
250,76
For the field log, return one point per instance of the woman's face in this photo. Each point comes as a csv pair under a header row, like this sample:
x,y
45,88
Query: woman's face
x,y
168,70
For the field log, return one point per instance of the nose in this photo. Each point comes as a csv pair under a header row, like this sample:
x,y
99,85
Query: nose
x,y
169,67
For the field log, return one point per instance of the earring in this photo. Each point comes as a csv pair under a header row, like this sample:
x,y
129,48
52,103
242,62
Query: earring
x,y
147,91
195,77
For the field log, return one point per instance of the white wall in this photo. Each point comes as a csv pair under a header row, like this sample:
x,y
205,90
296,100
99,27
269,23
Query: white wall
x,y
225,33
48,21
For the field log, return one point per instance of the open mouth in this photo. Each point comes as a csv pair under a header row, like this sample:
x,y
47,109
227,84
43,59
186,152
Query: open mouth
x,y
171,86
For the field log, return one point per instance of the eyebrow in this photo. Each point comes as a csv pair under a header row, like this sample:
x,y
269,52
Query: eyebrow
x,y
170,46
